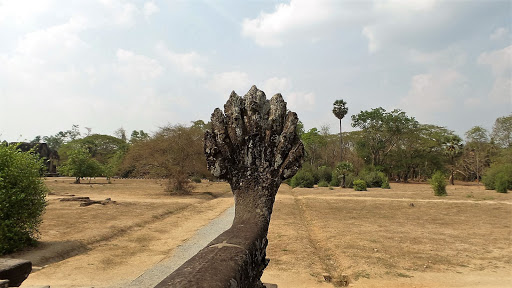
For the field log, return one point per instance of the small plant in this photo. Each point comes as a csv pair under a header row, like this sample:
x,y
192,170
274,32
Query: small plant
x,y
359,185
438,183
323,183
196,179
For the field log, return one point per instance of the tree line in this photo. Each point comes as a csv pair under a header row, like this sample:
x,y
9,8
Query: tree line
x,y
387,146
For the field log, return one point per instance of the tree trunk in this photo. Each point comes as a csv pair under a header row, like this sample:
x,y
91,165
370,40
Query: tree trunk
x,y
452,182
343,181
341,144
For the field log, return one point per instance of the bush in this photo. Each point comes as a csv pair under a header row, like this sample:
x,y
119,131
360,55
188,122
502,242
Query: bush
x,y
438,183
196,179
323,183
349,180
502,182
335,179
22,198
359,185
491,176
372,178
303,179
324,174
385,182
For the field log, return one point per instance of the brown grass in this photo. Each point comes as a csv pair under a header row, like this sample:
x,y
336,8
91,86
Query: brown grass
x,y
374,238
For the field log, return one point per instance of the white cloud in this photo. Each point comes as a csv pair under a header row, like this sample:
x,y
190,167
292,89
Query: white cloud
x,y
22,11
150,8
121,13
186,62
433,92
224,83
56,40
501,65
276,85
300,101
268,29
136,67
405,6
449,57
499,60
369,33
499,33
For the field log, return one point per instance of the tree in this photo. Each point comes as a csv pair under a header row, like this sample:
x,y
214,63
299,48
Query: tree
x,y
80,164
477,140
339,110
137,136
453,148
502,131
175,153
380,132
36,139
22,198
342,169
419,152
121,134
313,142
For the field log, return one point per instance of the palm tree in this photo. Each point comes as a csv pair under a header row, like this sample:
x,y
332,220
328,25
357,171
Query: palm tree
x,y
339,110
343,169
453,148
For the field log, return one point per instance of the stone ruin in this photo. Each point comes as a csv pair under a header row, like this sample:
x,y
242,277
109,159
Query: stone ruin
x,y
254,146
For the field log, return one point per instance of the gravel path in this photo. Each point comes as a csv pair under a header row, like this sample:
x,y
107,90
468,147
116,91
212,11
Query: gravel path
x,y
182,253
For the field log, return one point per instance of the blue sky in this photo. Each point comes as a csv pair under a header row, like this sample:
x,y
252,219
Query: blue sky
x,y
144,64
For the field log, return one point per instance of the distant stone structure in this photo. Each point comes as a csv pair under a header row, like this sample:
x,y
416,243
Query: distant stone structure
x,y
254,146
50,156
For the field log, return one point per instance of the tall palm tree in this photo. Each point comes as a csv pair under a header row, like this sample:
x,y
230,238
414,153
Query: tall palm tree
x,y
339,110
453,148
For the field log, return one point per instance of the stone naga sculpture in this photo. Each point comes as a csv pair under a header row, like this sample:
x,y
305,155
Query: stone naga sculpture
x,y
254,146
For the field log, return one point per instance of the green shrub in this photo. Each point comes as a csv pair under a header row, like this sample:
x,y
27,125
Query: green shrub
x,y
196,179
335,179
22,198
502,182
323,183
491,175
438,183
371,177
349,180
324,174
359,185
303,179
385,181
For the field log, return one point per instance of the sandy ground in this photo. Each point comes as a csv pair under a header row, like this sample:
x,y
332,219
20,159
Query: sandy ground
x,y
360,239
402,237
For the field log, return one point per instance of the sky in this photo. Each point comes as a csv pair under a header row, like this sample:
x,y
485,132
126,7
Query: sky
x,y
142,65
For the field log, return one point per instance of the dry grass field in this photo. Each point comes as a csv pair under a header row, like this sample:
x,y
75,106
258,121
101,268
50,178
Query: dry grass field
x,y
402,237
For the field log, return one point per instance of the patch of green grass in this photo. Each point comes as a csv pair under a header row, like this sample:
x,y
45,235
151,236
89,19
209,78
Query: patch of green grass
x,y
403,275
361,274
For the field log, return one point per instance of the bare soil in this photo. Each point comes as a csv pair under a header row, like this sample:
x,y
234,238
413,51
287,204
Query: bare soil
x,y
402,237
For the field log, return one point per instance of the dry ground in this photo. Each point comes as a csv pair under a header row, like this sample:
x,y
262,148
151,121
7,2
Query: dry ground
x,y
403,237
370,239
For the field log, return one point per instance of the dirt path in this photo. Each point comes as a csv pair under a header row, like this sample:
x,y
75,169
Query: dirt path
x,y
116,262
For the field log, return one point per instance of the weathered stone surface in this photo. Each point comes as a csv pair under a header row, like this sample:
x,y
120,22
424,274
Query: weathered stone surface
x,y
253,145
14,270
